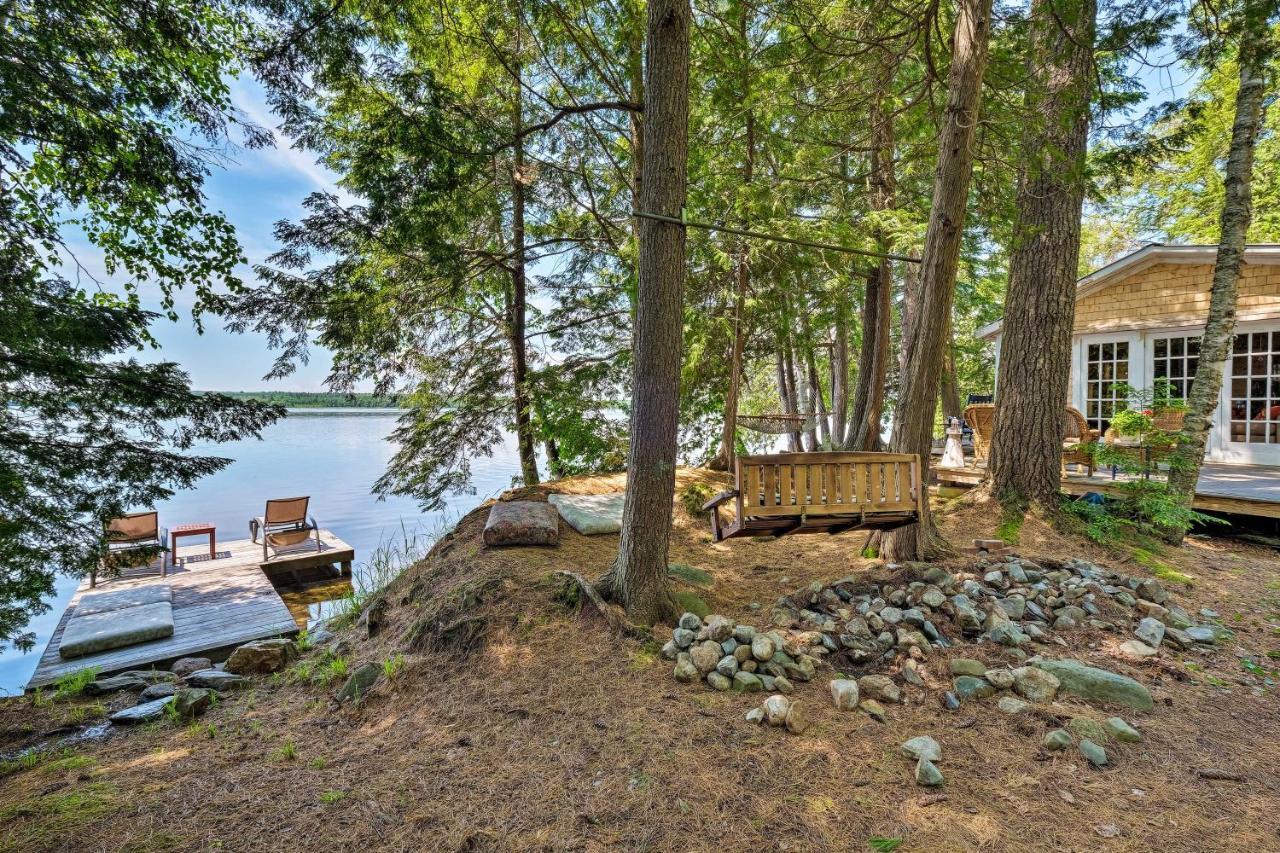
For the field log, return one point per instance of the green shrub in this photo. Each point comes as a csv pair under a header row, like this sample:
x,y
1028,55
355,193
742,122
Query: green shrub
x,y
693,496
74,683
691,603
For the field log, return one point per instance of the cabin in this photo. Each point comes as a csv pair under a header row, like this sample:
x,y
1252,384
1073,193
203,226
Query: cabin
x,y
1140,318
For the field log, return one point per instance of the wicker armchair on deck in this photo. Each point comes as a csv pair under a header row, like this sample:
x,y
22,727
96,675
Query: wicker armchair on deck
x,y
981,418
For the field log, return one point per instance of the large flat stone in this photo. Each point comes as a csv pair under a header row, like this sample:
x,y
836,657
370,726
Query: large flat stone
x,y
144,713
522,523
112,629
590,514
1089,682
216,679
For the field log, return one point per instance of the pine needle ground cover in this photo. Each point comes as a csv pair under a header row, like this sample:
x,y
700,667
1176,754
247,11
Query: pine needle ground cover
x,y
509,717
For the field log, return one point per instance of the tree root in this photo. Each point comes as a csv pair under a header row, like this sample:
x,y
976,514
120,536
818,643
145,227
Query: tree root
x,y
616,622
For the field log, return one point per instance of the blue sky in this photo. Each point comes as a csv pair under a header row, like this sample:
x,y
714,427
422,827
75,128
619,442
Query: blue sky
x,y
254,191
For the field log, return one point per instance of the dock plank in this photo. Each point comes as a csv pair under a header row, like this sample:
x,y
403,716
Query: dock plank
x,y
216,604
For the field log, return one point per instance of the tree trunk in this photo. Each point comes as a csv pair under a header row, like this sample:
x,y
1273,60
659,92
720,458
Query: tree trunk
x,y
873,360
817,400
793,390
742,272
553,458
728,436
918,399
517,303
1256,49
951,405
638,579
1035,350
840,374
873,363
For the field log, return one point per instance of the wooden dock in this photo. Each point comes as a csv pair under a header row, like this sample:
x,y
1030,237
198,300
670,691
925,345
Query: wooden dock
x,y
1239,489
218,603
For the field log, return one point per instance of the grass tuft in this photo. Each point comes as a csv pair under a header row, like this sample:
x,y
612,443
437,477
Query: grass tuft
x,y
689,574
691,603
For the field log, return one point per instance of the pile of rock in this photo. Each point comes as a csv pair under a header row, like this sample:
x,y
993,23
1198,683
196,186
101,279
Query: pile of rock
x,y
1012,602
728,655
191,683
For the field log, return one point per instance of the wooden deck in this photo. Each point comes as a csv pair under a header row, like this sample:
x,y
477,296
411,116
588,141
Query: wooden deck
x,y
1239,489
217,604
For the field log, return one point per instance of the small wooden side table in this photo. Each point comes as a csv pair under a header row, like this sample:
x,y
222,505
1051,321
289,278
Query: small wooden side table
x,y
199,528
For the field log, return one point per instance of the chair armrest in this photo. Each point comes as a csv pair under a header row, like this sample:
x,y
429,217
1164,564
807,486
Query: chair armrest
x,y
719,499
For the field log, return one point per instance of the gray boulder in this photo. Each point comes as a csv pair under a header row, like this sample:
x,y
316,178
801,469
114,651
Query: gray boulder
x,y
114,684
157,691
191,702
1089,682
1034,684
216,679
706,655
183,667
359,682
262,656
1150,631
144,713
844,693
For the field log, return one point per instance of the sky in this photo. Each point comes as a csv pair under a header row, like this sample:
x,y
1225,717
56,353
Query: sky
x,y
254,191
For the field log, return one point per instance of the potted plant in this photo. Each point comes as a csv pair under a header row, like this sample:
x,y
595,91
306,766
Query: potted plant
x,y
1131,426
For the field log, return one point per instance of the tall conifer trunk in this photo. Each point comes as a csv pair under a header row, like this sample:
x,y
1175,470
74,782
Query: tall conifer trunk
x,y
918,399
1257,47
1035,350
638,579
517,299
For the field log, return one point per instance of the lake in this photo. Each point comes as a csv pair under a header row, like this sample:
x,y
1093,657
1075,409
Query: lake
x,y
333,455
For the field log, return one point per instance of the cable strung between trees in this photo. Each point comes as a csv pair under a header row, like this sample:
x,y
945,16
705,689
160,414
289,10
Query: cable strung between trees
x,y
778,238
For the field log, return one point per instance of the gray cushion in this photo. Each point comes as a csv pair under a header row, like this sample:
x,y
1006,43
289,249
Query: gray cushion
x,y
591,514
101,602
522,523
111,629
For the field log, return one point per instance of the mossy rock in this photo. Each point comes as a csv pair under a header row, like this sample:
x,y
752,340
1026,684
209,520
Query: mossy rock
x,y
690,575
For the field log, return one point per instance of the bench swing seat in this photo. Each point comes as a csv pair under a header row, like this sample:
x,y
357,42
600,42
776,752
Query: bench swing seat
x,y
828,492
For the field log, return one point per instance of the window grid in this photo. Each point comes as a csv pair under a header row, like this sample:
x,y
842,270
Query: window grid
x,y
1175,359
1107,373
1255,388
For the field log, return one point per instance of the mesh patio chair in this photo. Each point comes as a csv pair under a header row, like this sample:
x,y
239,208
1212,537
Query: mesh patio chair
x,y
284,523
133,540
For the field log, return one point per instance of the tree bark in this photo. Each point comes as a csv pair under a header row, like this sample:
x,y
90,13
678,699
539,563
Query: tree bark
x,y
951,405
817,400
742,270
919,395
873,358
517,302
1035,351
638,579
1256,50
840,374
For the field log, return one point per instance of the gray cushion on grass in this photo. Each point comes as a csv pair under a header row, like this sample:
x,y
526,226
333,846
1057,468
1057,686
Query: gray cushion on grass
x,y
522,523
101,602
590,514
112,629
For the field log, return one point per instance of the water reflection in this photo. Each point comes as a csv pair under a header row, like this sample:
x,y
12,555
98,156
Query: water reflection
x,y
316,602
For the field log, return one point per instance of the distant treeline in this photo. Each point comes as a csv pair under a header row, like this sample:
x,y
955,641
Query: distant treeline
x,y
317,400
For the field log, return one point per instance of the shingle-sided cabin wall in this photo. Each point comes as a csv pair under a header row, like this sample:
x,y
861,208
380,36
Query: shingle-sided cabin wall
x,y
1170,295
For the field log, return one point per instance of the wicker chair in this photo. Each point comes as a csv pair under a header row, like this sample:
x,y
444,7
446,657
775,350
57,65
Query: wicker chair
x,y
1075,438
981,417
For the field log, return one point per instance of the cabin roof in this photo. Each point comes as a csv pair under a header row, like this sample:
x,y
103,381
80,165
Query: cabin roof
x,y
1149,255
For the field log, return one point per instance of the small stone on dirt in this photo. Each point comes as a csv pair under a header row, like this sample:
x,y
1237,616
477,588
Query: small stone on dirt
x,y
1097,755
844,693
927,774
922,746
1122,731
1056,740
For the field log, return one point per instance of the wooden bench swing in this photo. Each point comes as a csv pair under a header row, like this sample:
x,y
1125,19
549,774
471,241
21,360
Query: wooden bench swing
x,y
826,492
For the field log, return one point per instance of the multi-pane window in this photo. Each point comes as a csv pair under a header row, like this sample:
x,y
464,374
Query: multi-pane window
x,y
1255,388
1175,360
1106,382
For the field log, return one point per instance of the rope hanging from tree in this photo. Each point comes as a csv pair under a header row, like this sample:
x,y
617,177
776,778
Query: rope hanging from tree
x,y
778,423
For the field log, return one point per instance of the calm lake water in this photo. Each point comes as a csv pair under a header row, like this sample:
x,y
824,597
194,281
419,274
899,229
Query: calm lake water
x,y
333,455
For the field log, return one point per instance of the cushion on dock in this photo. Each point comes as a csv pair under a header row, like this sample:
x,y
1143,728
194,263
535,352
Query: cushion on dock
x,y
522,523
112,629
101,602
591,514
